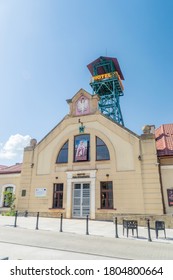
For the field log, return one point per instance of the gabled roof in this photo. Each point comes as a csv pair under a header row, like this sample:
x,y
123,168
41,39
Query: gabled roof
x,y
120,125
81,91
164,140
11,169
2,167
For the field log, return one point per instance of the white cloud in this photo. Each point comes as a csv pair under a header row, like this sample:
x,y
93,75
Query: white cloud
x,y
12,150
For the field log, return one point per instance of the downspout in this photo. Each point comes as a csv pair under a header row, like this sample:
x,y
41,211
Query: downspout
x,y
161,187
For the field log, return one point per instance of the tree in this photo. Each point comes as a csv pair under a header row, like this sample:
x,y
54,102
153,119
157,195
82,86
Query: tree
x,y
9,199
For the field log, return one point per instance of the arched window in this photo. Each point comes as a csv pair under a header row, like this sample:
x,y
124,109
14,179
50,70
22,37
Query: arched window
x,y
102,152
63,154
8,192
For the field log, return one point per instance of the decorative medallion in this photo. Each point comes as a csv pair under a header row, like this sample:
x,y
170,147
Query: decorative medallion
x,y
82,106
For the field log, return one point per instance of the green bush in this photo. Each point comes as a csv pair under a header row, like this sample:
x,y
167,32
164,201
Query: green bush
x,y
8,213
9,199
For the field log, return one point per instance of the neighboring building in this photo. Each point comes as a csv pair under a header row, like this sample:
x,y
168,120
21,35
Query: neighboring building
x,y
9,181
164,144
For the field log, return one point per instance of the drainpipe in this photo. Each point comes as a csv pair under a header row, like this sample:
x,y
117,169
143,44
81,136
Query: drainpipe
x,y
161,187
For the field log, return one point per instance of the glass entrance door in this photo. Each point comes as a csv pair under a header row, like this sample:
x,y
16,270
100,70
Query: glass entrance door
x,y
81,200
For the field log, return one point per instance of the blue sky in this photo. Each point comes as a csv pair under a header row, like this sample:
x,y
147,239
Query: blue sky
x,y
45,46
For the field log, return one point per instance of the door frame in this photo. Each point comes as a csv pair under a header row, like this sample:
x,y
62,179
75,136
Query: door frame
x,y
81,199
73,177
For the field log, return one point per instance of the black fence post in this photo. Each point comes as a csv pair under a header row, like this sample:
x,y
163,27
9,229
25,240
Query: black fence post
x,y
26,214
61,219
116,228
37,220
148,226
87,228
15,221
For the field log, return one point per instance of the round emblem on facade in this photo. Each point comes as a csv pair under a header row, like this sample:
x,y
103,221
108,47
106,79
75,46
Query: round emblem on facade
x,y
82,105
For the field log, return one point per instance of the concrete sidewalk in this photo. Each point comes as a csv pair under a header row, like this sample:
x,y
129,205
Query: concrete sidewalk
x,y
78,226
25,242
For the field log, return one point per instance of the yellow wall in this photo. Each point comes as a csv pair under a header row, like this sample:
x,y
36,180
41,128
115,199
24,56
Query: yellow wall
x,y
136,183
132,167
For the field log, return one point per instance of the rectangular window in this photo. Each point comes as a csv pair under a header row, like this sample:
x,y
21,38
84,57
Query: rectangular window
x,y
58,196
23,193
106,192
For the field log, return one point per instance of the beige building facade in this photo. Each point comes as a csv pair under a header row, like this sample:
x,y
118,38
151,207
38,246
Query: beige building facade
x,y
164,145
90,165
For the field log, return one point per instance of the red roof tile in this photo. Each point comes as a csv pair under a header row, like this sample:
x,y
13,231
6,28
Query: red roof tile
x,y
2,167
11,169
164,140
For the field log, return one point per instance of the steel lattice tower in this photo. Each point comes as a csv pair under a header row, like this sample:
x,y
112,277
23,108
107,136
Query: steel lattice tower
x,y
106,82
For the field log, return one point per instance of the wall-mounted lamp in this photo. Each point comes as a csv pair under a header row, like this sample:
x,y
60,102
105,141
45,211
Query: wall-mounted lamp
x,y
139,157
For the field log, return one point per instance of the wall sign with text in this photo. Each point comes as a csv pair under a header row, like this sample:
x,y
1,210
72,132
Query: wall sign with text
x,y
40,192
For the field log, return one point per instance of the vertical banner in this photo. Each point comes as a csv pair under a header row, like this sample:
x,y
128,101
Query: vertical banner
x,y
81,147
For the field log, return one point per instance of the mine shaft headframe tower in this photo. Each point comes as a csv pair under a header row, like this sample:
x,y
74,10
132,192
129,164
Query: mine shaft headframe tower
x,y
106,82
